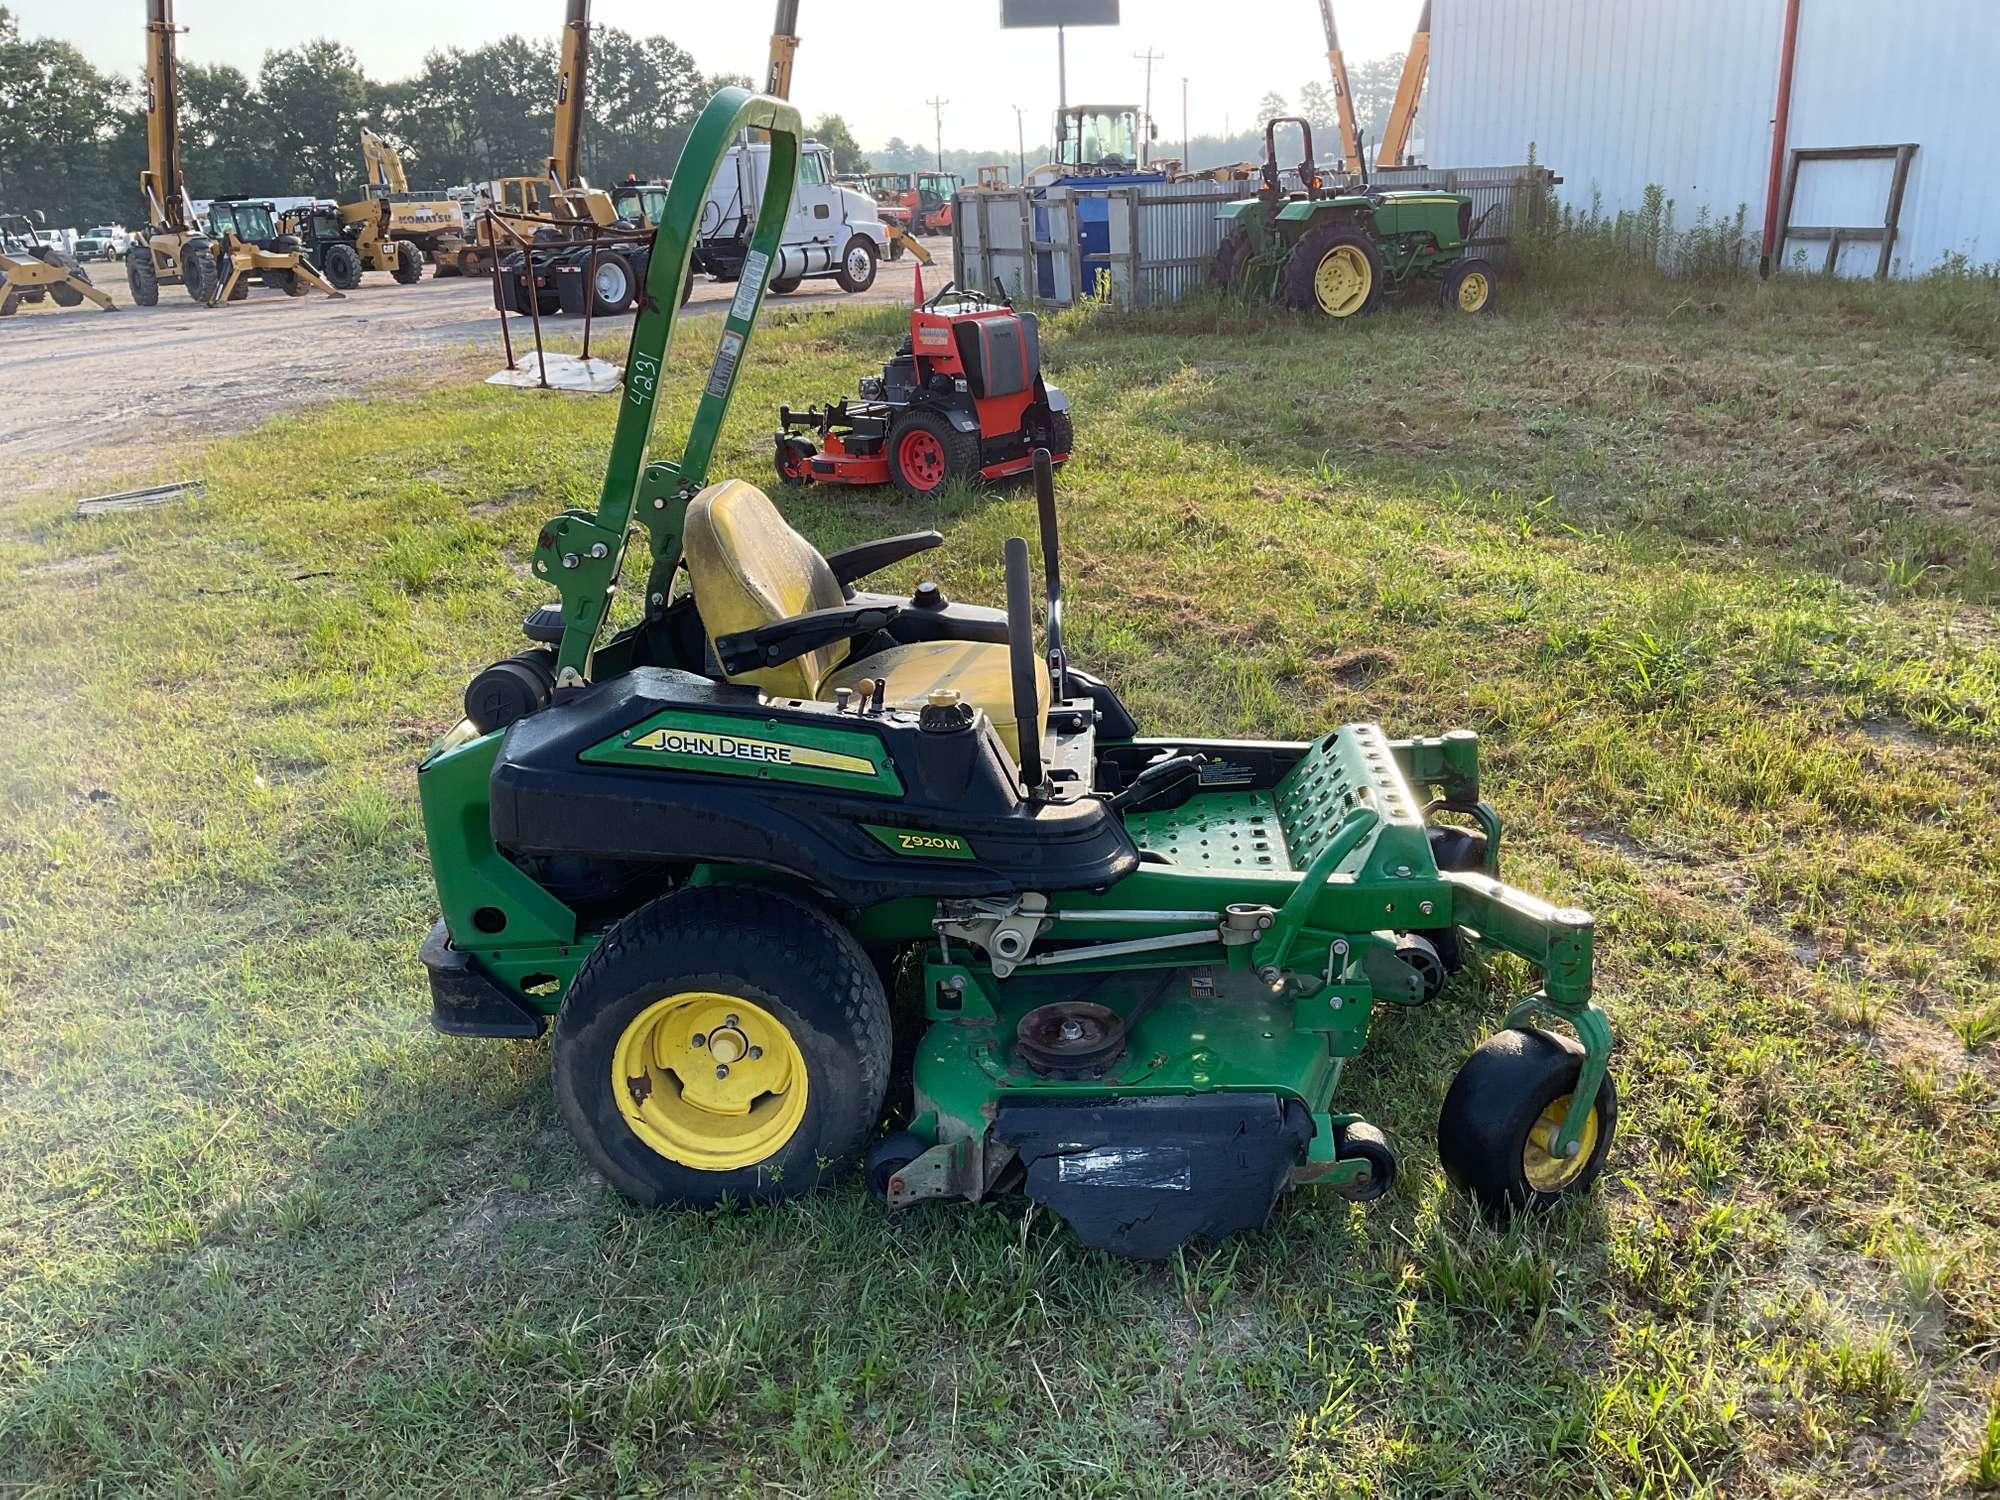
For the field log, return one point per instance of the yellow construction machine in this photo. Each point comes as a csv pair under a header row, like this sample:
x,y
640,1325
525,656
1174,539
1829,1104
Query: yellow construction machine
x,y
240,246
388,214
1409,88
33,267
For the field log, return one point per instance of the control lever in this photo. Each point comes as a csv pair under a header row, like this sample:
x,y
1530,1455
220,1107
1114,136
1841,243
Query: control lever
x,y
1021,661
1045,505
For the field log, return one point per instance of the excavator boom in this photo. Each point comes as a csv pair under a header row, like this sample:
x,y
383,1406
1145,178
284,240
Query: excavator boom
x,y
571,80
1409,89
1343,98
383,166
160,184
784,47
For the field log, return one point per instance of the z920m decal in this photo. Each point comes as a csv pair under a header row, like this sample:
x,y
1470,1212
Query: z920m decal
x,y
921,844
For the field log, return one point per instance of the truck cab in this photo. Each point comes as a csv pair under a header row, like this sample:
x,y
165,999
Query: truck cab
x,y
830,231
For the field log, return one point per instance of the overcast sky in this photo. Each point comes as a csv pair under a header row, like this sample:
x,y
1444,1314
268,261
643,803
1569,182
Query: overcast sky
x,y
874,63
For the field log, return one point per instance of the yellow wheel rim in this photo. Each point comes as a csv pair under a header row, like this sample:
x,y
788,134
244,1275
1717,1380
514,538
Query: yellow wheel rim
x,y
1473,292
1548,1173
1342,281
710,1081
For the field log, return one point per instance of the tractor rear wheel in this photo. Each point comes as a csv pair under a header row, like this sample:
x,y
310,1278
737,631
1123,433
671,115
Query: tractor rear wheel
x,y
1469,287
926,453
1232,260
723,1042
409,267
1061,434
1500,1117
283,279
140,276
1336,271
342,266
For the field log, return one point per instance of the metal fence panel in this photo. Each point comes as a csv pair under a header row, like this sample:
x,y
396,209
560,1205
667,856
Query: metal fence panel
x,y
1162,236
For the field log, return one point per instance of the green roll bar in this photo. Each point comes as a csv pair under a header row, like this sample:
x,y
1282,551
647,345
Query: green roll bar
x,y
582,552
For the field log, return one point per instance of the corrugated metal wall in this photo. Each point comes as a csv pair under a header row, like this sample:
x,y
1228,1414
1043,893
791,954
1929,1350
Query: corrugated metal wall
x,y
1873,75
1617,94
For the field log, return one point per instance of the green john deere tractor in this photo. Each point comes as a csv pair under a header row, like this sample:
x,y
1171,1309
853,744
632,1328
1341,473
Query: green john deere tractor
x,y
1341,253
705,847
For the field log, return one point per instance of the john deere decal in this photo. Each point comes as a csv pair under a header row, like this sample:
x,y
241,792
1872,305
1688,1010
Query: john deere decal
x,y
736,747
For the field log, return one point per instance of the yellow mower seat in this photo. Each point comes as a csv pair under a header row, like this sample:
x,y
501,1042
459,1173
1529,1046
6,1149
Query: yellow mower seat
x,y
750,569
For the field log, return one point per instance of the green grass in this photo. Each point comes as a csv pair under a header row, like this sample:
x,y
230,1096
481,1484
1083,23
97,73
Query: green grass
x,y
1713,578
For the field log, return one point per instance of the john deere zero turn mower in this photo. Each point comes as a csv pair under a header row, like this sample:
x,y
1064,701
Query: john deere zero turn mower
x,y
694,846
1341,253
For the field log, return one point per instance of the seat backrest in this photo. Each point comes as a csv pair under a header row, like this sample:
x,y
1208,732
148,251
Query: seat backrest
x,y
748,569
1001,355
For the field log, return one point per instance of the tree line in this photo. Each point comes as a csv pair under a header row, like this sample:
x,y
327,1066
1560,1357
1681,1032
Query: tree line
x,y
73,138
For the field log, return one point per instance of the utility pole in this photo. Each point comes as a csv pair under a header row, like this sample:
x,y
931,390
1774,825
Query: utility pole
x,y
937,115
1020,145
1148,57
1187,163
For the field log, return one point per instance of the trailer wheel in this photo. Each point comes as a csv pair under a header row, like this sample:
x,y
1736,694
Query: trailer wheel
x,y
857,266
611,289
409,267
1469,286
342,265
1335,270
926,453
722,1042
140,276
1500,1114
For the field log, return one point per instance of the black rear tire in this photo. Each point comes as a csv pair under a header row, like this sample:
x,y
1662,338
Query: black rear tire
x,y
1492,1111
1302,269
1061,434
409,268
769,950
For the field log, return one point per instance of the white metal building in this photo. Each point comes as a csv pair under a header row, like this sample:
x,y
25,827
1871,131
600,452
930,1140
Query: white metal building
x,y
1617,94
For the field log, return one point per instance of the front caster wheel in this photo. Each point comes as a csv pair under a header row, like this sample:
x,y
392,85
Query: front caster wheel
x,y
889,1156
1364,1142
1500,1119
722,1042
